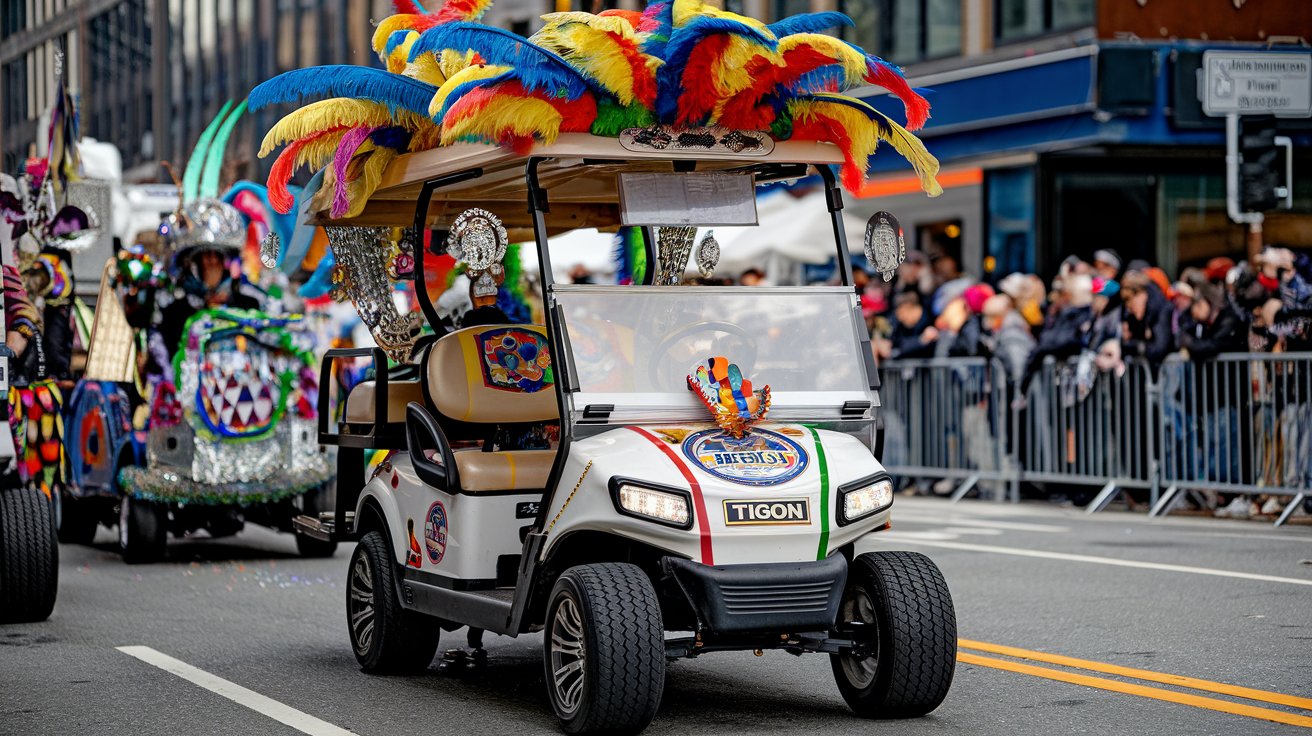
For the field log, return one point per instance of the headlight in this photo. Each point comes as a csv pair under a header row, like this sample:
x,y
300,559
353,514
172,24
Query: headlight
x,y
863,498
663,505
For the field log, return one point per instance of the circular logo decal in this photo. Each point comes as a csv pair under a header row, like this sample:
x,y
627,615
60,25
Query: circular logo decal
x,y
759,458
435,532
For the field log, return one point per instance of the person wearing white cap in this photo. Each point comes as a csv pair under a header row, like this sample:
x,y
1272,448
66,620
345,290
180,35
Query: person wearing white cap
x,y
1107,264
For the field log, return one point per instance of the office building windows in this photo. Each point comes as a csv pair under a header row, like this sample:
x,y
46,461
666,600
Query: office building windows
x,y
905,31
1021,18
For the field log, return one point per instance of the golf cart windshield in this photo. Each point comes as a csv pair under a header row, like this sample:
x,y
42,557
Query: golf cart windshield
x,y
632,347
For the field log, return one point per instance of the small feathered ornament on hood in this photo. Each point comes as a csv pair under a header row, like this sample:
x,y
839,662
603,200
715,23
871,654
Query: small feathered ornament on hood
x,y
732,402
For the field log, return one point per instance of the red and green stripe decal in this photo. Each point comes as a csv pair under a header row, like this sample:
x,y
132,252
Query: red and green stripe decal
x,y
699,504
823,465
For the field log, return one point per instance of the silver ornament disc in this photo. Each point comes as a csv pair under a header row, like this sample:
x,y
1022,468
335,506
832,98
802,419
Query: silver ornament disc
x,y
885,245
477,239
269,248
708,254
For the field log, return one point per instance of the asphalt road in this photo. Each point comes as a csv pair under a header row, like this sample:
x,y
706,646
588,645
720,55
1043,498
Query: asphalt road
x,y
1043,580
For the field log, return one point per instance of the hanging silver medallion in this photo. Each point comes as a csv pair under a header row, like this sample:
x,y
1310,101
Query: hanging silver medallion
x,y
477,238
708,254
269,248
885,246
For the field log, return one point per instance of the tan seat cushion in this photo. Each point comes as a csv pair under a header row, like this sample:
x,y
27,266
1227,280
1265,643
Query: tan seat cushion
x,y
493,374
360,404
521,470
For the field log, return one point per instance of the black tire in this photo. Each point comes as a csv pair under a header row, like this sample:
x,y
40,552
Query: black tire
x,y
29,556
142,530
604,624
77,520
909,631
312,503
385,637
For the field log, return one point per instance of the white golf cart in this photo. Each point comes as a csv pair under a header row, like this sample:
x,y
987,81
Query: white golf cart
x,y
646,532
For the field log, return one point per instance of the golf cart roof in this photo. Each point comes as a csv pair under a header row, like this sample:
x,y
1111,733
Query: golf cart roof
x,y
580,196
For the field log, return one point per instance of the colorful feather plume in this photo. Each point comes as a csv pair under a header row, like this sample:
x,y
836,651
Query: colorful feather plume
x,y
684,63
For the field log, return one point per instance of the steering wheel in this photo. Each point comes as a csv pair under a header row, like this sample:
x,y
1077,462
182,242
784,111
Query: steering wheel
x,y
660,375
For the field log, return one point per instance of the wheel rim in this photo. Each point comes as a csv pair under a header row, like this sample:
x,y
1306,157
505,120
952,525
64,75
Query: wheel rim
x,y
568,655
860,670
361,609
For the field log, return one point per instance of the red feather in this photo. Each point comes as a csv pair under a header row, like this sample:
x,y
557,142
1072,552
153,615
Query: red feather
x,y
644,81
409,7
818,127
283,168
699,93
460,10
917,107
632,16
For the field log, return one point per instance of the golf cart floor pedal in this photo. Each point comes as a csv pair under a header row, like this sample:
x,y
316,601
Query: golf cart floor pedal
x,y
321,526
462,659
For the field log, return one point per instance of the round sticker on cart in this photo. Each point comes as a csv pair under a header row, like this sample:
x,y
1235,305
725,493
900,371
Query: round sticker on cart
x,y
759,458
435,532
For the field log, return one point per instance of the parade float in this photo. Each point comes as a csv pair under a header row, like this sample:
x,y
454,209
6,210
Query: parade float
x,y
197,409
661,470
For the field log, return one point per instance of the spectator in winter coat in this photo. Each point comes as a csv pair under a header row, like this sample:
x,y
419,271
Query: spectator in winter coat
x,y
1146,319
1070,329
1211,326
914,333
1007,335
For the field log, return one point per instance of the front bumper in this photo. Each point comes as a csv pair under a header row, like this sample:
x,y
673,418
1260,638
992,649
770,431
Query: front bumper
x,y
783,597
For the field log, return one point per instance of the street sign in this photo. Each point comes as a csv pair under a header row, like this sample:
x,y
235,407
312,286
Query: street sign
x,y
1257,83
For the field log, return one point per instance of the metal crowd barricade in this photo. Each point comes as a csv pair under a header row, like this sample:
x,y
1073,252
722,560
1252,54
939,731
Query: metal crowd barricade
x,y
1082,426
946,419
1241,423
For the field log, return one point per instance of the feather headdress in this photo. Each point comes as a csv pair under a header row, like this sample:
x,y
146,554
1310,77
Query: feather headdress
x,y
682,63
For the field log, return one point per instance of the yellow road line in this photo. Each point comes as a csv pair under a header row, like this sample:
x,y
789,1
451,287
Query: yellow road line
x,y
1219,688
1144,691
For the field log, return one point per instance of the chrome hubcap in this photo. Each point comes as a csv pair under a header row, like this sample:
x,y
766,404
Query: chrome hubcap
x,y
361,605
860,670
567,655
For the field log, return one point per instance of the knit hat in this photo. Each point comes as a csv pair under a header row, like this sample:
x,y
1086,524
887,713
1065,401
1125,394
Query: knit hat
x,y
1218,267
975,297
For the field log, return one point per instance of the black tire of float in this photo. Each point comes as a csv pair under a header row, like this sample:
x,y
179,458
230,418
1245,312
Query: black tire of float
x,y
916,628
403,642
29,554
624,663
143,530
313,502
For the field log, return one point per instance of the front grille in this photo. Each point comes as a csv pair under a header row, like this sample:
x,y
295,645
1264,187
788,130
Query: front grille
x,y
750,600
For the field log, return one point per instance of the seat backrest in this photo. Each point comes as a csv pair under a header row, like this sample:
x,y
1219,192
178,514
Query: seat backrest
x,y
493,374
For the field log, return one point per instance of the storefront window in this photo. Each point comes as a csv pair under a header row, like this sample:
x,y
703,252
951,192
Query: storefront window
x,y
1010,217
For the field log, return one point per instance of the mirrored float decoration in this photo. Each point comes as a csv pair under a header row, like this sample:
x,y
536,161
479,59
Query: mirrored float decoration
x,y
885,246
673,247
730,398
479,241
361,274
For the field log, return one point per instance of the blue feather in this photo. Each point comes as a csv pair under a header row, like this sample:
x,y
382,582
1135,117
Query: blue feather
x,y
669,78
283,225
535,67
359,82
809,23
656,40
395,138
395,39
321,282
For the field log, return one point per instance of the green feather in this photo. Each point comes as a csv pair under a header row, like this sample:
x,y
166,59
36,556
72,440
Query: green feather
x,y
191,177
613,118
209,183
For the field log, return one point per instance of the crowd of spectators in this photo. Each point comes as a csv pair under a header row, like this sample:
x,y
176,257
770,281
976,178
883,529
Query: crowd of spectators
x,y
1098,314
1110,309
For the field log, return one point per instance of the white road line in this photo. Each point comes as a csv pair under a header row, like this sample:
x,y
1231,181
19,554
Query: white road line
x,y
303,722
893,536
954,520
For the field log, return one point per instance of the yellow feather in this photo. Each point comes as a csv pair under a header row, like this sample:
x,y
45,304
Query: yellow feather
x,y
865,134
318,152
913,150
426,69
452,62
585,41
386,27
343,112
367,170
468,74
516,115
686,10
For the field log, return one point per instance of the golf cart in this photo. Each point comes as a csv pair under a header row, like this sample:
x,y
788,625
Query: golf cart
x,y
650,531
